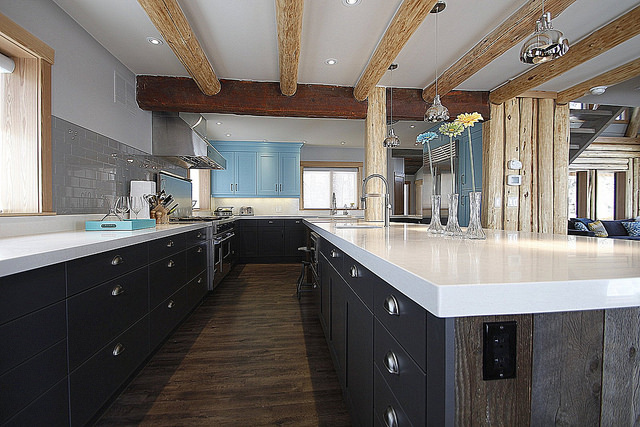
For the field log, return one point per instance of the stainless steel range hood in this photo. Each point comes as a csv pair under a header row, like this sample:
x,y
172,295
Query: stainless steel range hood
x,y
181,138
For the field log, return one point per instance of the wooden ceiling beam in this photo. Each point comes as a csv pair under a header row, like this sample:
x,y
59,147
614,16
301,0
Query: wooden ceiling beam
x,y
512,31
596,43
634,123
405,22
289,20
609,78
161,93
169,19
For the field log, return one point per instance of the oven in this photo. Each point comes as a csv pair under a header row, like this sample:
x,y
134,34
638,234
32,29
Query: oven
x,y
223,250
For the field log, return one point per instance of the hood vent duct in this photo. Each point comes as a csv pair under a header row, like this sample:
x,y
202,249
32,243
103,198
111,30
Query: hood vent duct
x,y
181,139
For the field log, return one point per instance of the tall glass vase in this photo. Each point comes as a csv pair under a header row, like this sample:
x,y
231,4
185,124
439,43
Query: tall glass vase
x,y
435,226
453,228
474,230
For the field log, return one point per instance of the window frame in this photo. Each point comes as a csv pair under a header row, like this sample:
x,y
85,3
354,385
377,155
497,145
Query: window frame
x,y
328,165
15,41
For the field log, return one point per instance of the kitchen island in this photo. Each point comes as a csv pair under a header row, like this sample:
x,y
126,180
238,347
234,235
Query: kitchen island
x,y
567,306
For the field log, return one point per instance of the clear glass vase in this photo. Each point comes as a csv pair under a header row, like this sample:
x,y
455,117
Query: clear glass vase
x,y
453,228
474,230
435,226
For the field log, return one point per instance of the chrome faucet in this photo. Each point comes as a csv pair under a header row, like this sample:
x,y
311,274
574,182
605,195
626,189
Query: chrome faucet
x,y
334,205
386,207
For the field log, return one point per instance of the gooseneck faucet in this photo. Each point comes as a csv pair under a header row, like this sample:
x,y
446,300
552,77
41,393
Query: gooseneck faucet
x,y
334,205
386,207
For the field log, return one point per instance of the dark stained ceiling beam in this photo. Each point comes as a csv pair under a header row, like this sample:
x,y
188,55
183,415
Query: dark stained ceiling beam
x,y
161,93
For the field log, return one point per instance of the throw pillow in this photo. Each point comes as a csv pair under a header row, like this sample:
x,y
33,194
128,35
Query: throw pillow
x,y
598,228
633,228
580,226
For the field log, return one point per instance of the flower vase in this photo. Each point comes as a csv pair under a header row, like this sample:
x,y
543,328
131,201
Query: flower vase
x,y
453,228
474,230
435,226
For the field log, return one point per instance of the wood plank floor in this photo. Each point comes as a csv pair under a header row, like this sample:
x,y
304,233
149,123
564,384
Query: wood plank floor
x,y
250,355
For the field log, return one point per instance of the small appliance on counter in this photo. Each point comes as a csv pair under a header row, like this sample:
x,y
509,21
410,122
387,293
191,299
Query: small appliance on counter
x,y
223,211
246,210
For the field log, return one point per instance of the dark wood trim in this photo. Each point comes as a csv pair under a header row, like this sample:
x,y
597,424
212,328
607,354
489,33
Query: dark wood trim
x,y
620,204
162,93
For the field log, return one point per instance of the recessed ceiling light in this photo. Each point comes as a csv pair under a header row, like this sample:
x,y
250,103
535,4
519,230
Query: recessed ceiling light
x,y
218,123
350,2
342,142
154,41
331,61
598,90
412,126
228,135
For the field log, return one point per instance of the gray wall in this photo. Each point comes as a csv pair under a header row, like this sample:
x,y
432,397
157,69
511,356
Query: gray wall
x,y
331,154
83,74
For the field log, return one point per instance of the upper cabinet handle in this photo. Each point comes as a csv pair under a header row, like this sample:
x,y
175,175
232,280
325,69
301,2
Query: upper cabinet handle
x,y
171,263
390,305
117,260
170,244
353,271
117,290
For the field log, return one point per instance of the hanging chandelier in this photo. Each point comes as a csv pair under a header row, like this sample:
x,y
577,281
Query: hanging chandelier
x,y
392,139
437,112
546,44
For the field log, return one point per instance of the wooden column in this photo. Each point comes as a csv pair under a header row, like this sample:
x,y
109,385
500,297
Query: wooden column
x,y
545,165
375,155
560,168
511,152
493,148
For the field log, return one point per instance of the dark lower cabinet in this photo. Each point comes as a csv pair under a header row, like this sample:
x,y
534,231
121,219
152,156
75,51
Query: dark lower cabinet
x,y
51,409
339,325
271,240
324,289
295,236
166,316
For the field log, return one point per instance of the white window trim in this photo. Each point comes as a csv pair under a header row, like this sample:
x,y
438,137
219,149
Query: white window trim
x,y
330,165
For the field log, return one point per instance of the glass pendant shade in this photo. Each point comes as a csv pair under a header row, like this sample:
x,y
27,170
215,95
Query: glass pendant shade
x,y
437,112
545,44
392,140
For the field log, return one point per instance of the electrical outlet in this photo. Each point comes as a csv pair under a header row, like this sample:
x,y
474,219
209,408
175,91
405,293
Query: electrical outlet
x,y
499,350
512,201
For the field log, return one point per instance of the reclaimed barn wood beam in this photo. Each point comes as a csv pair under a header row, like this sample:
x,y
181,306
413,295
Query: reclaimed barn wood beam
x,y
512,31
289,20
405,22
596,43
169,19
634,123
609,78
161,93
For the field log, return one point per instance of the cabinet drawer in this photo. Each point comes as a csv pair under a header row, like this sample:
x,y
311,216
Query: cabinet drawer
x,y
385,406
197,289
271,223
166,316
409,323
247,223
51,409
93,383
196,237
27,336
167,246
21,385
25,292
122,301
403,376
334,255
165,277
196,260
360,279
294,223
83,273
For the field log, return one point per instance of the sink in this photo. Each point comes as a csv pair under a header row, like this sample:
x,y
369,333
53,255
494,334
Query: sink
x,y
358,226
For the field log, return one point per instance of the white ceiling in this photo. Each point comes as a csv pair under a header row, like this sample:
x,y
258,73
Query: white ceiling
x,y
240,40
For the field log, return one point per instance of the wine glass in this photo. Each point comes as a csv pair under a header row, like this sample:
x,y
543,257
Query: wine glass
x,y
122,205
136,204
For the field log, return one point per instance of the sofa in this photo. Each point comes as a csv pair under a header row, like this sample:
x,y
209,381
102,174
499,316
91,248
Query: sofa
x,y
614,228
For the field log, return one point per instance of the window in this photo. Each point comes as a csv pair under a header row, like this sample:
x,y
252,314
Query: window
x,y
320,180
200,188
605,195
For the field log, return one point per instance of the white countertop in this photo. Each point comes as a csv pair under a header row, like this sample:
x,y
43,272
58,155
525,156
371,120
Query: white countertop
x,y
509,273
28,252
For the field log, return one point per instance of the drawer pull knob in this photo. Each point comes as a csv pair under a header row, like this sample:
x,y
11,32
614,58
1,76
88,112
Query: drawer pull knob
x,y
270,222
334,253
199,236
353,271
391,305
117,290
171,263
117,260
171,304
200,250
170,244
118,349
390,417
391,363
199,280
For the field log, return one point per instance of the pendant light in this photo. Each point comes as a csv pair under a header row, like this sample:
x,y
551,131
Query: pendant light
x,y
437,112
546,44
392,139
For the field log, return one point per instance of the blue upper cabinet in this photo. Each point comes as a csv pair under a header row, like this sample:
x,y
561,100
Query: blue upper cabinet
x,y
258,169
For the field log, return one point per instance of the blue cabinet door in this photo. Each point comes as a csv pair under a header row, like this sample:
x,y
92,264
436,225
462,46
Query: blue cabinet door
x,y
289,174
268,174
245,174
222,181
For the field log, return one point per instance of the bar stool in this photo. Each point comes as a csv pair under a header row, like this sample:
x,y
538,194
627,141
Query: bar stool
x,y
302,285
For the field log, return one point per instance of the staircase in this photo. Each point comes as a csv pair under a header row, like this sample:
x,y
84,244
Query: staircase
x,y
587,125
